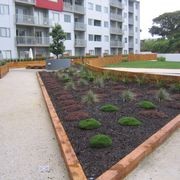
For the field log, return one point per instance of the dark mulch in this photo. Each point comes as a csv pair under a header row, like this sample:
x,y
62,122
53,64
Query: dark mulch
x,y
125,139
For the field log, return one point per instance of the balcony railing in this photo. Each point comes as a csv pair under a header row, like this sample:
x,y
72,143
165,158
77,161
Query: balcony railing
x,y
116,17
68,7
26,1
131,9
79,9
131,21
78,26
131,32
116,44
114,30
116,3
31,20
131,45
32,41
80,43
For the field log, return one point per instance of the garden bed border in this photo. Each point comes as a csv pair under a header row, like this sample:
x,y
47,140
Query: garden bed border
x,y
4,70
120,169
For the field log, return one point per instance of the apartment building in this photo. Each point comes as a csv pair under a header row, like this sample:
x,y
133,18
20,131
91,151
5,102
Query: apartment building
x,y
93,27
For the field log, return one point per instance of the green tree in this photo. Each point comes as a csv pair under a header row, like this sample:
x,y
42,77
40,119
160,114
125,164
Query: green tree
x,y
58,36
166,25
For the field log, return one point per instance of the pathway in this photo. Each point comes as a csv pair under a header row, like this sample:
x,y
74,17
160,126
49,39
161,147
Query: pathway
x,y
29,149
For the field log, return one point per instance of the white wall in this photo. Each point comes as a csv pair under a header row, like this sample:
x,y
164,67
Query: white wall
x,y
170,57
8,21
93,14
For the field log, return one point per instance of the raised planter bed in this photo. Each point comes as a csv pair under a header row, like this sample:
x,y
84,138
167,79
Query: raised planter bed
x,y
25,64
125,139
3,70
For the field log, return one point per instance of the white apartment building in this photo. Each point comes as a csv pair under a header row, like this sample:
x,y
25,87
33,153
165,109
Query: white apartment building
x,y
93,27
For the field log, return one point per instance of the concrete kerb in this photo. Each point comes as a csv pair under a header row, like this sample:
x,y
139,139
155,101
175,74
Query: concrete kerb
x,y
120,169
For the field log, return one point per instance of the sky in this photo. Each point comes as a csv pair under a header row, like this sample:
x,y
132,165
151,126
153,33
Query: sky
x,y
153,8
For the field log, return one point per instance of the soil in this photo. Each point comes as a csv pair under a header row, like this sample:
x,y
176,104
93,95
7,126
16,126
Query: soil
x,y
70,110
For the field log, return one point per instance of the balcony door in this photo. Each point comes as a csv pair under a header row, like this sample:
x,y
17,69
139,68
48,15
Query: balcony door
x,y
38,37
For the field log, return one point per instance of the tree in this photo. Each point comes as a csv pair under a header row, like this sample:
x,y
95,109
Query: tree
x,y
167,24
58,37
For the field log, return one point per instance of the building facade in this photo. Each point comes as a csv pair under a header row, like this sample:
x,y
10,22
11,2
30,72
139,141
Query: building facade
x,y
93,27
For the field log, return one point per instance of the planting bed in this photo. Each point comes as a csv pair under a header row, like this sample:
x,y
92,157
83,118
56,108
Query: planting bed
x,y
70,108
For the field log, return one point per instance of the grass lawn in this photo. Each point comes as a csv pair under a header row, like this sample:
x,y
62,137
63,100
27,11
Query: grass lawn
x,y
148,64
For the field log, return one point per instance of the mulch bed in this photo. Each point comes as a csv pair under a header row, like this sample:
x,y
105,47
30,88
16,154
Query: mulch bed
x,y
70,110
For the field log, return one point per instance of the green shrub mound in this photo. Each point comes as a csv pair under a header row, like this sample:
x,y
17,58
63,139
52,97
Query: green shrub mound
x,y
129,121
100,141
109,108
89,124
146,105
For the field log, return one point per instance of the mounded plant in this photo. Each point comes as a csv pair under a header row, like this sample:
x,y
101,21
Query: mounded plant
x,y
147,105
90,98
100,141
109,108
83,82
127,95
70,86
89,124
129,121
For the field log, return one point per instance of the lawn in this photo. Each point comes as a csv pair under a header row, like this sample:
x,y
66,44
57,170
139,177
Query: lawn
x,y
148,64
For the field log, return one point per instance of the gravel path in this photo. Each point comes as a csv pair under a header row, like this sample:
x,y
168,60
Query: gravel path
x,y
29,150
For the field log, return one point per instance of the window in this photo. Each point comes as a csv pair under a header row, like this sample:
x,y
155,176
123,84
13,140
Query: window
x,y
97,23
106,10
98,8
4,32
7,54
68,36
67,18
4,9
97,37
136,41
137,6
90,22
56,17
91,52
125,40
90,37
106,24
90,6
106,38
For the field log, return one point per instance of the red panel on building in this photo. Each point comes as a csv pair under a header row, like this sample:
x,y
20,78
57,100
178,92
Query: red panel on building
x,y
56,5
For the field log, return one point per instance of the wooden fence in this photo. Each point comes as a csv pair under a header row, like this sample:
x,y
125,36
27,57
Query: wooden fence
x,y
4,70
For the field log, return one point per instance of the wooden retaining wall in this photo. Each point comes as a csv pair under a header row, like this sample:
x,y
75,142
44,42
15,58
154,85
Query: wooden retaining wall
x,y
4,70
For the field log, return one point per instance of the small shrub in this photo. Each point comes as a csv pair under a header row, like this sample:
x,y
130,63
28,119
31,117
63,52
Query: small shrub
x,y
89,124
66,78
127,95
72,71
129,121
140,80
109,108
83,82
99,82
162,94
100,141
175,87
90,98
161,59
70,86
146,105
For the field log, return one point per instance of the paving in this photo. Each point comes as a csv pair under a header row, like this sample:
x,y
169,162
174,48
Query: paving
x,y
171,72
29,149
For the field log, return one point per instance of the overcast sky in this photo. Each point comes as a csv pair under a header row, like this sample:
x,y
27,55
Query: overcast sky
x,y
153,8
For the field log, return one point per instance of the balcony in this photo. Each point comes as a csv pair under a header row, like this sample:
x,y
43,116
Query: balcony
x,y
79,9
31,20
115,43
116,17
115,30
29,2
80,43
131,32
116,3
78,26
30,41
131,21
131,9
68,7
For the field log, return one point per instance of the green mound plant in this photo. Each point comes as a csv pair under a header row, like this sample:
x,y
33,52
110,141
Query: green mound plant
x,y
89,124
127,95
100,141
90,97
147,105
129,121
109,108
162,94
